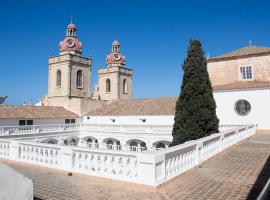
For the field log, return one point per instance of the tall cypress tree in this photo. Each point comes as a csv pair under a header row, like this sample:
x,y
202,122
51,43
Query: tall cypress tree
x,y
195,112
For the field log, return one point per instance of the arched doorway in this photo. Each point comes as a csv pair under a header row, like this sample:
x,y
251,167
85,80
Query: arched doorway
x,y
110,144
72,141
143,146
92,142
133,146
160,146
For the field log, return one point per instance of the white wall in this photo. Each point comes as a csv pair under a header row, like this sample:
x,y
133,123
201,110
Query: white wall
x,y
259,100
130,120
18,187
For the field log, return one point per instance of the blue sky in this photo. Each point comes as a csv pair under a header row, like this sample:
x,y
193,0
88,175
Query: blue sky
x,y
153,34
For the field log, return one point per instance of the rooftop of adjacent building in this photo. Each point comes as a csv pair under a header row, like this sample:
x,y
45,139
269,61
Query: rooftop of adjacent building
x,y
245,52
151,106
34,112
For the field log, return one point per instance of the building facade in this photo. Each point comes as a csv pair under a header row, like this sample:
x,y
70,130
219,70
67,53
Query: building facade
x,y
241,84
36,115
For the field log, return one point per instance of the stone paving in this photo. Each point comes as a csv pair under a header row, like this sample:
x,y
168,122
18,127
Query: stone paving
x,y
237,173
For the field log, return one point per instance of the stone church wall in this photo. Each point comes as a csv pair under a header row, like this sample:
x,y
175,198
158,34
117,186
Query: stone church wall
x,y
225,72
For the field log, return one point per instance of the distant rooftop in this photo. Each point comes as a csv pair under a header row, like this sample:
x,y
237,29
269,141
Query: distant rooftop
x,y
245,52
154,106
35,112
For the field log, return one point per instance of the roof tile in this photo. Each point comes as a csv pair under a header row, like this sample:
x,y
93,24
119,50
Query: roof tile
x,y
249,51
155,106
34,112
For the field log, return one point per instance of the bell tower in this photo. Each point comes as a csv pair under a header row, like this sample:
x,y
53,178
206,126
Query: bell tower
x,y
114,81
69,73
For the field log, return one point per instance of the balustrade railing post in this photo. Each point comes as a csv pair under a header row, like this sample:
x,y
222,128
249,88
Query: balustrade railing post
x,y
67,157
151,168
221,142
198,153
14,153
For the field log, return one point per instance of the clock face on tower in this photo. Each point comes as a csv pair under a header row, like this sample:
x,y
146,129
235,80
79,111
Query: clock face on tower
x,y
117,57
70,43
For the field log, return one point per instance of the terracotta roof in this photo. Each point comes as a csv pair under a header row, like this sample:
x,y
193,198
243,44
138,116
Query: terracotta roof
x,y
245,52
157,106
241,85
34,112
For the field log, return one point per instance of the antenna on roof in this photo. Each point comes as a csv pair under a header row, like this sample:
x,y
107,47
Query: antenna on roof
x,y
71,19
250,43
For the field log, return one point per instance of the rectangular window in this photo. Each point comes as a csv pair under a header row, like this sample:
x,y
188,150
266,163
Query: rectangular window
x,y
22,122
29,122
70,121
246,73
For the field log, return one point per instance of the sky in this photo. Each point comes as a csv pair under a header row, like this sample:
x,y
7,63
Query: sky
x,y
154,35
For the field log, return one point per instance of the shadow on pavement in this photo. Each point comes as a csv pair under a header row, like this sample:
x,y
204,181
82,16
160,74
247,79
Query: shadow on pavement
x,y
260,182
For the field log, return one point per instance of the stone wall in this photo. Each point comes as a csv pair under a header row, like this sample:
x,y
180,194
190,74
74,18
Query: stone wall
x,y
69,65
225,72
116,75
77,105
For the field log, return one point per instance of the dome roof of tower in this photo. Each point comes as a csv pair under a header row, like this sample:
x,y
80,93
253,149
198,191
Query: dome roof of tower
x,y
71,26
115,42
70,44
111,58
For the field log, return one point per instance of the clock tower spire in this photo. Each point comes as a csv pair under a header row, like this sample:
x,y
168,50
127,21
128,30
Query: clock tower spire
x,y
69,74
71,44
114,81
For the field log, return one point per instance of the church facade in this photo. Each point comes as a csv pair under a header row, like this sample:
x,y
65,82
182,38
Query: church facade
x,y
69,77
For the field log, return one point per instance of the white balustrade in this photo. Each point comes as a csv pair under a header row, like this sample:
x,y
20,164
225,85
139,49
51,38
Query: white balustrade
x,y
44,155
4,148
128,128
36,129
223,128
118,166
145,167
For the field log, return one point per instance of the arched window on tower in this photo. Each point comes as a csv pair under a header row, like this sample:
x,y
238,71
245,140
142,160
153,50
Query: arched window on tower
x,y
58,78
108,85
79,82
125,86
